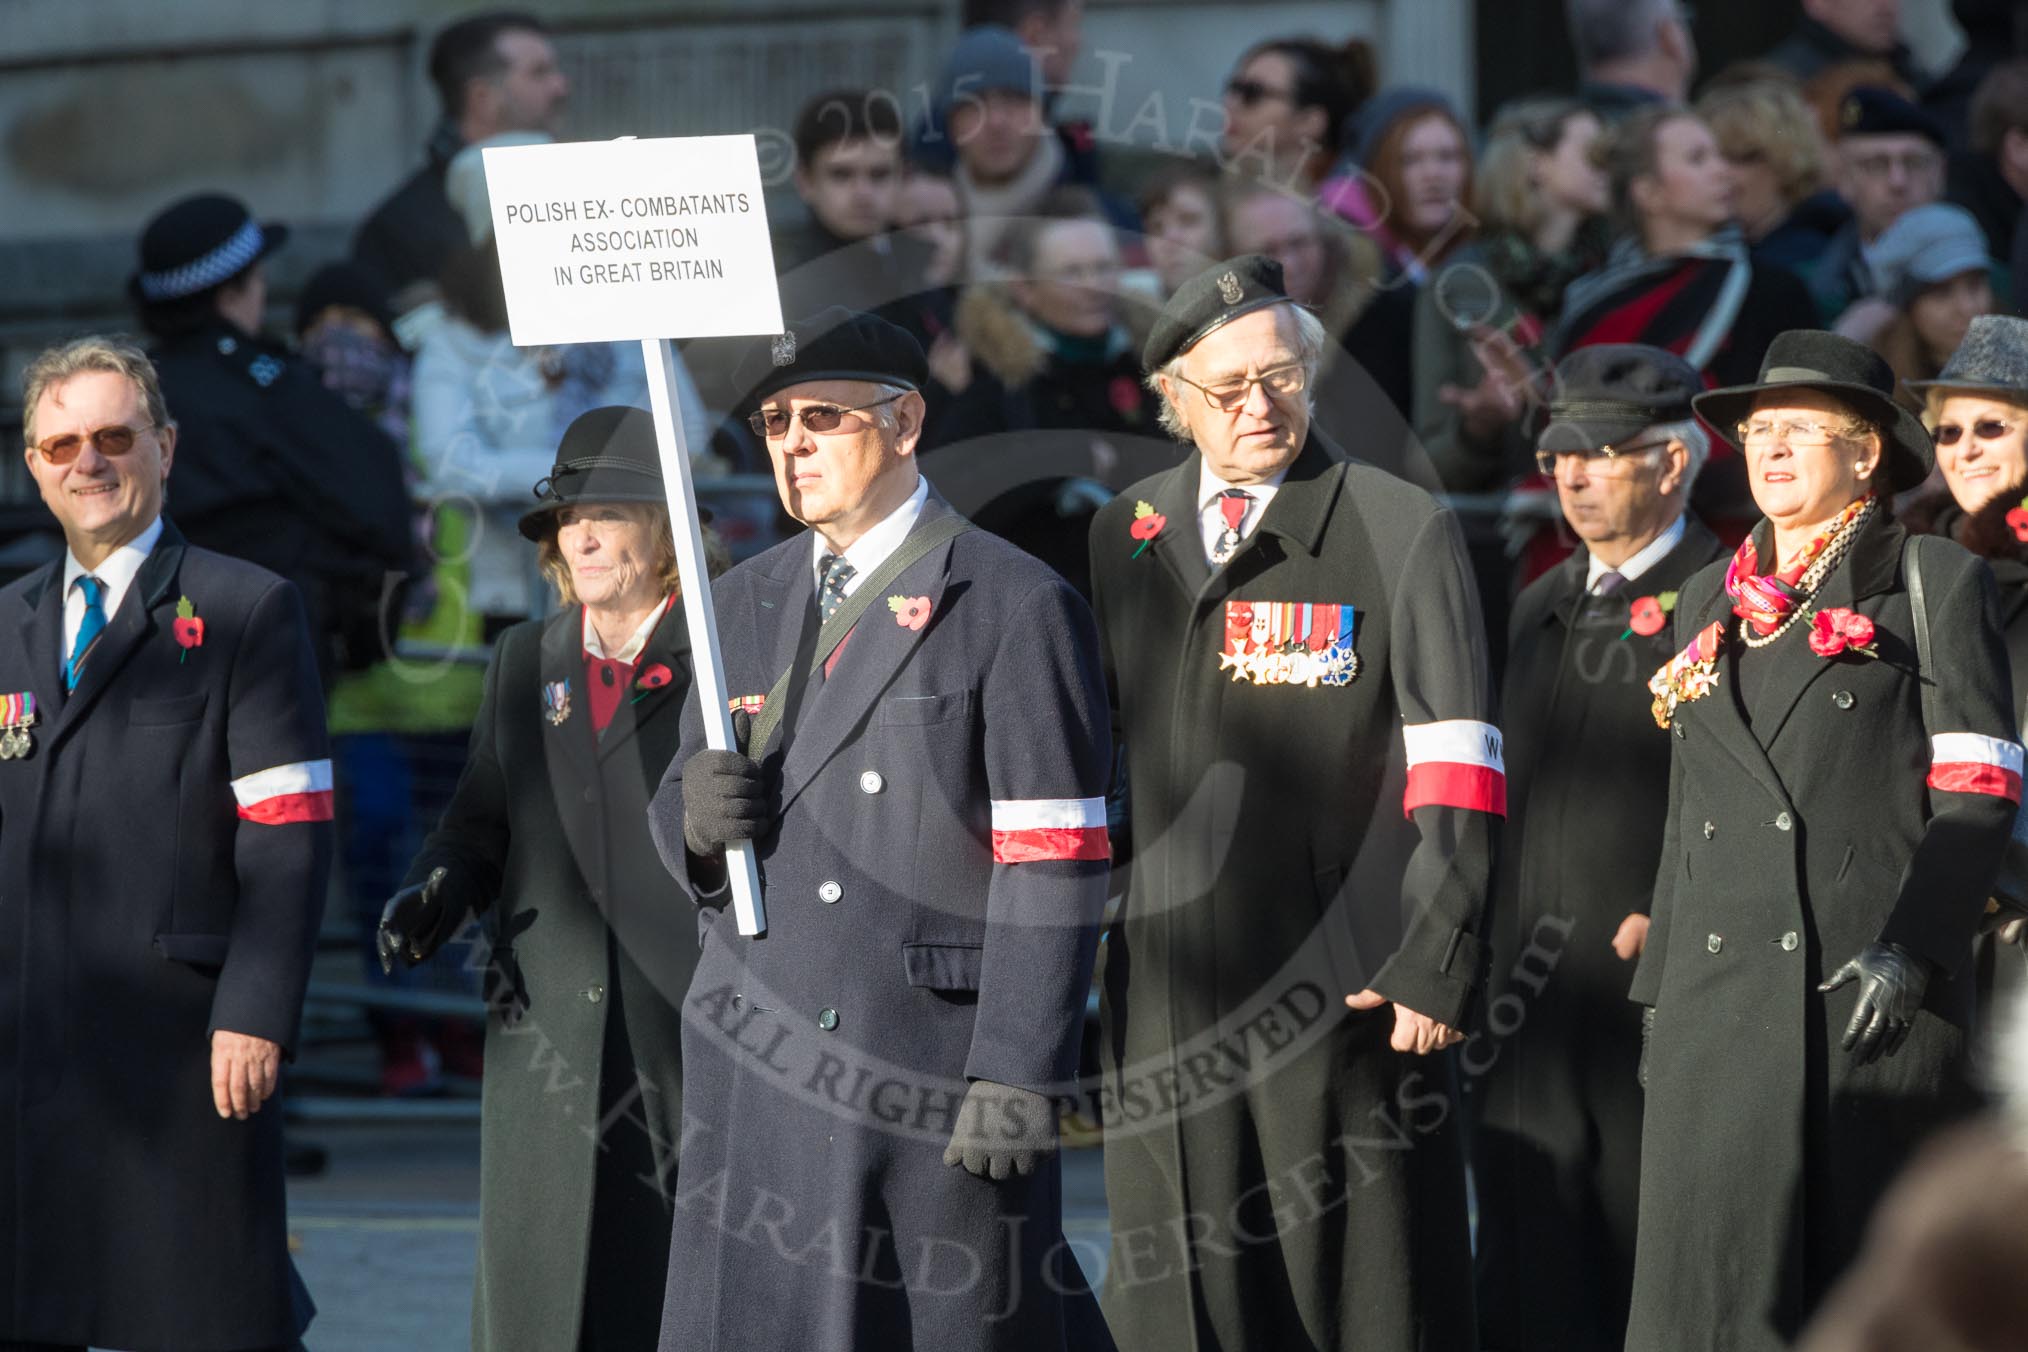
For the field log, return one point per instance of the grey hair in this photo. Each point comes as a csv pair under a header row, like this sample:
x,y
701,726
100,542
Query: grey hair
x,y
1696,441
1615,30
1311,341
115,354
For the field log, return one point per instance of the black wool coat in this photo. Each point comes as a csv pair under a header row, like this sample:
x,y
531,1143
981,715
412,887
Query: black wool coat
x,y
589,948
1792,841
1277,1176
922,933
1551,1070
142,908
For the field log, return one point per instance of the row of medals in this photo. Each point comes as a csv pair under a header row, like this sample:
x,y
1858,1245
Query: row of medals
x,y
15,742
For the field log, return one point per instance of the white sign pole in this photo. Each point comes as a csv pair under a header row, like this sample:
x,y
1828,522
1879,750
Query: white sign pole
x,y
707,666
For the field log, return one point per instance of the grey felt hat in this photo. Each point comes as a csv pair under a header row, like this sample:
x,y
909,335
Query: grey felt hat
x,y
1993,357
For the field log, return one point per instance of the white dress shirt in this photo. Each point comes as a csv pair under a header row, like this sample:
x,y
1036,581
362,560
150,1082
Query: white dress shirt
x,y
1646,557
595,648
116,574
872,549
1211,521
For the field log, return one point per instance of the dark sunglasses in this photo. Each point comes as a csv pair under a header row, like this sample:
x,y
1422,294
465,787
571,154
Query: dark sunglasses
x,y
773,423
1985,429
1249,92
115,440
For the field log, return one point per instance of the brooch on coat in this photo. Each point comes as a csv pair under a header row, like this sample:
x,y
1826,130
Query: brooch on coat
x,y
652,679
188,628
910,612
1148,523
17,716
1840,629
1289,643
1649,614
1689,675
556,702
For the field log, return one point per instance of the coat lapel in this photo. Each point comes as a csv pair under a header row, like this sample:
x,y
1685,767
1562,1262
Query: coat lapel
x,y
1178,546
126,629
1717,713
1868,570
668,646
569,743
41,633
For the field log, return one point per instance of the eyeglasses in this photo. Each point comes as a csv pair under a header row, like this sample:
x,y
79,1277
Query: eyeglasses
x,y
1282,382
1600,460
773,423
1797,432
1985,429
117,439
1249,92
1913,163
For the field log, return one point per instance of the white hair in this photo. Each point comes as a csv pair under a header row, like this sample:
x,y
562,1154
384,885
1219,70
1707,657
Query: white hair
x,y
1695,440
1310,343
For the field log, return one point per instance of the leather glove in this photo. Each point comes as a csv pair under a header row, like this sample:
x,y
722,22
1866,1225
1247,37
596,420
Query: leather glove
x,y
1002,1131
1892,983
1647,1035
415,922
724,798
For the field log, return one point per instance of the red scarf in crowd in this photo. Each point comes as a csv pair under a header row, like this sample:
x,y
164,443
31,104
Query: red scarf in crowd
x,y
1765,600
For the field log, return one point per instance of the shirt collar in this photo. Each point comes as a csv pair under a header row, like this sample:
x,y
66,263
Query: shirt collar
x,y
1646,557
872,549
631,653
1209,486
120,567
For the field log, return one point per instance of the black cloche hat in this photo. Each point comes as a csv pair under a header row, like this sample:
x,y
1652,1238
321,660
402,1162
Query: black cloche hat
x,y
1811,359
197,243
608,455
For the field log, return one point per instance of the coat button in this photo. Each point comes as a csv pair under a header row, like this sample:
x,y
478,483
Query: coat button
x,y
871,782
594,993
1789,942
829,892
1843,699
1709,830
1784,822
1713,943
738,1000
827,1019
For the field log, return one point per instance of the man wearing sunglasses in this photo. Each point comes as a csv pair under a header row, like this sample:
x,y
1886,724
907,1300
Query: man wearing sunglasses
x,y
1556,1155
923,781
1294,649
166,799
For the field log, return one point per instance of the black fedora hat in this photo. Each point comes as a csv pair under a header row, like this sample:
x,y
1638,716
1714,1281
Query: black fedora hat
x,y
608,455
1811,359
197,243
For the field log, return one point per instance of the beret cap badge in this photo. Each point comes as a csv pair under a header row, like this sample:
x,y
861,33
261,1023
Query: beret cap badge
x,y
783,350
1229,289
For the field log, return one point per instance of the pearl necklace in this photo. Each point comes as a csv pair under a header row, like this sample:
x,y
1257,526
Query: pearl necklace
x,y
1812,579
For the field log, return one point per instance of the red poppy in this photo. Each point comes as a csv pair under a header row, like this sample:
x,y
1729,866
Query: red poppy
x,y
1648,617
1125,393
1147,527
2018,519
1834,630
654,678
910,612
189,632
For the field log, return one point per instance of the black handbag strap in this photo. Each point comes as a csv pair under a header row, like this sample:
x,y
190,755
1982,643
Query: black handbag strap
x,y
920,542
1911,567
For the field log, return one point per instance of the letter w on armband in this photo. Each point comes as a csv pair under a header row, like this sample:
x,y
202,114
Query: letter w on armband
x,y
1456,762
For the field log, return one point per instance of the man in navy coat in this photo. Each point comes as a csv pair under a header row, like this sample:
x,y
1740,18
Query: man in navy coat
x,y
165,808
869,1130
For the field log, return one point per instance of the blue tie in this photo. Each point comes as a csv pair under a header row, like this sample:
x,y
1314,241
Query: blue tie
x,y
88,629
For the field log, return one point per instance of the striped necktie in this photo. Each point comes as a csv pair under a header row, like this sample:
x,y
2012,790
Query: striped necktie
x,y
831,590
88,629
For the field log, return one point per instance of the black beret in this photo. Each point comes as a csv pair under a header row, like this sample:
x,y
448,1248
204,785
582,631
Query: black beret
x,y
833,344
1214,297
1612,392
1871,110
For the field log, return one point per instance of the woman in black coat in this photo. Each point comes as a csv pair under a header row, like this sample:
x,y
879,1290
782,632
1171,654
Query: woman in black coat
x,y
1837,811
591,945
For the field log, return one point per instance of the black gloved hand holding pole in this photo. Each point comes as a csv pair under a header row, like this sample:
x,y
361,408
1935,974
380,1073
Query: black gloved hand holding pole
x,y
724,796
1892,981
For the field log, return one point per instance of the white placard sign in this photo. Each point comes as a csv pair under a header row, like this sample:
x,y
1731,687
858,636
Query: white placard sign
x,y
603,241
608,240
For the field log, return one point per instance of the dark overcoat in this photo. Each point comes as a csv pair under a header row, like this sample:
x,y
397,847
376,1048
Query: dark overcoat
x,y
1276,1175
933,884
589,947
1810,813
1556,1143
163,853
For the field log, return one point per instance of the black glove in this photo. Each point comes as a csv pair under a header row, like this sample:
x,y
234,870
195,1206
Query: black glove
x,y
1647,1035
1893,980
1002,1131
415,922
724,798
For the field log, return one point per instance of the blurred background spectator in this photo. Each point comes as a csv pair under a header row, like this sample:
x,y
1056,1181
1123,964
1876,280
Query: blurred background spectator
x,y
1288,106
1631,53
1769,139
1184,234
1989,176
1831,31
1932,267
1888,156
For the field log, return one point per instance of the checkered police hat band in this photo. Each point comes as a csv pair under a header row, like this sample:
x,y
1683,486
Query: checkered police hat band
x,y
222,264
